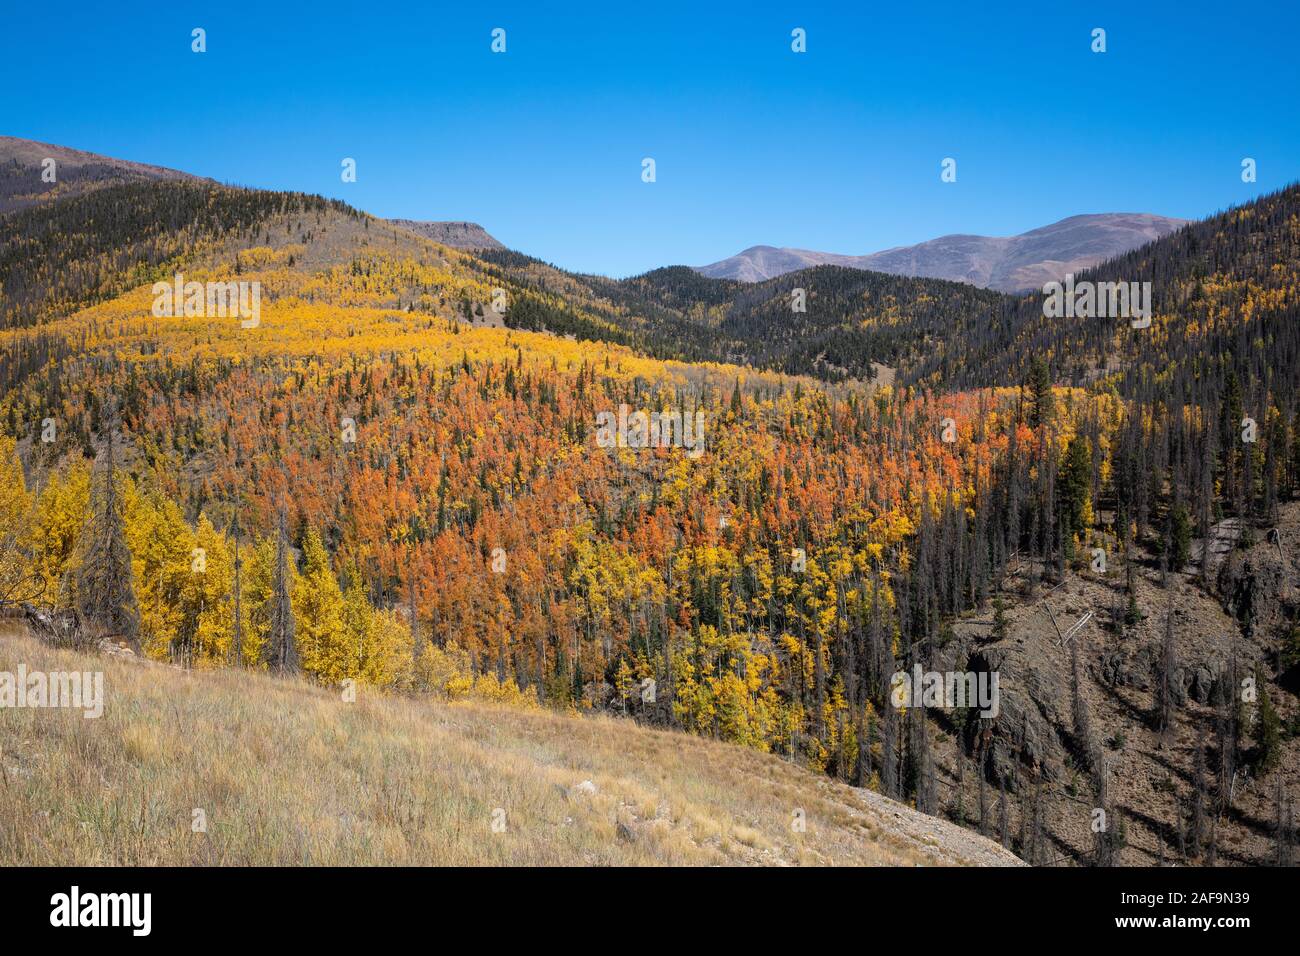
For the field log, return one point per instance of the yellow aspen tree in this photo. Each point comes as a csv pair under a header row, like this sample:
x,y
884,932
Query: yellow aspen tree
x,y
318,608
206,597
18,579
61,511
161,546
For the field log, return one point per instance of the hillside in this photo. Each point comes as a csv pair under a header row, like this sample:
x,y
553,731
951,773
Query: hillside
x,y
289,774
1153,777
26,179
1216,285
847,321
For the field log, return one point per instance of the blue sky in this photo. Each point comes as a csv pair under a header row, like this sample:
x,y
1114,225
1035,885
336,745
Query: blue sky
x,y
837,149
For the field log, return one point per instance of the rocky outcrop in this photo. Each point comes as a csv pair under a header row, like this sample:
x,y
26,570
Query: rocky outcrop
x,y
459,235
1260,584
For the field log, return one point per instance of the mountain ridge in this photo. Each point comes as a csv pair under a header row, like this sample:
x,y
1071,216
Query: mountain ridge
x,y
1014,264
76,171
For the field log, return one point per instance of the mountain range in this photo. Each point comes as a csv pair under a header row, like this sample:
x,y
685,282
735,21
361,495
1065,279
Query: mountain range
x,y
1006,263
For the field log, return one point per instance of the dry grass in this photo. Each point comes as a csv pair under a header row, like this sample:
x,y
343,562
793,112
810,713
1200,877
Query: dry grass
x,y
287,773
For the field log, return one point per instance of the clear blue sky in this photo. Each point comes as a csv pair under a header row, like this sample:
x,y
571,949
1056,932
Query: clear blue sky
x,y
836,149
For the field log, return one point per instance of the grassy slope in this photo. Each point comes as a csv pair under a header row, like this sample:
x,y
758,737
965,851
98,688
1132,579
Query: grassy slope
x,y
288,773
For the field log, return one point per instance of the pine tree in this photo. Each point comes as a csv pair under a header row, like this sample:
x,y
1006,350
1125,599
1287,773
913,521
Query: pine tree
x,y
999,618
281,645
1267,730
237,626
106,587
411,610
1133,614
1040,390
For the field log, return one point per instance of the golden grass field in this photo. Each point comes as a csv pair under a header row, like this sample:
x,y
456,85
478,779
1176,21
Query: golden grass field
x,y
287,773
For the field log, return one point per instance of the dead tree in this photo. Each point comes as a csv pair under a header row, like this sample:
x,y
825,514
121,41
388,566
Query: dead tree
x,y
1164,710
1036,826
862,770
1283,828
923,763
57,628
959,799
1082,723
1004,815
1196,830
889,751
982,762
1103,852
1228,733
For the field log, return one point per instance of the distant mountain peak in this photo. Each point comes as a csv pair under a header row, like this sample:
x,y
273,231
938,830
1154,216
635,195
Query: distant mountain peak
x,y
1006,263
458,235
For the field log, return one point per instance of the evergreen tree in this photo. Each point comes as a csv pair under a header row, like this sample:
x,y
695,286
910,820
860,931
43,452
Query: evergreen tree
x,y
1267,730
281,644
237,625
106,587
1040,389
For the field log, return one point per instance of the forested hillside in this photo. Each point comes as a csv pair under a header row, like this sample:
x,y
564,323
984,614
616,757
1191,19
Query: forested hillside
x,y
391,482
58,256
828,322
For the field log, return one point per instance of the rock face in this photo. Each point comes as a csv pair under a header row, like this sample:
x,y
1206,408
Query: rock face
x,y
1260,584
458,235
1006,263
